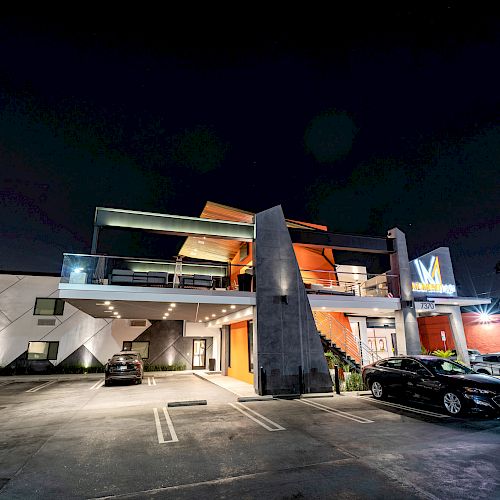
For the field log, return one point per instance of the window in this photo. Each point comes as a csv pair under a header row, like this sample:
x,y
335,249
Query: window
x,y
244,250
411,365
43,350
442,366
141,347
491,359
394,363
49,307
250,345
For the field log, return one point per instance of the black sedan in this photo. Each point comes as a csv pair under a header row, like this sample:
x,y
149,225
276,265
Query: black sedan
x,y
125,365
437,381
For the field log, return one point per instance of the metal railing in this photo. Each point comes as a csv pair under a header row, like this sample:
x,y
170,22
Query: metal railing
x,y
180,273
344,339
346,283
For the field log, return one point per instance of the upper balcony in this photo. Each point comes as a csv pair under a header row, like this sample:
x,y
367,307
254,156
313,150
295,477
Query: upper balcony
x,y
81,269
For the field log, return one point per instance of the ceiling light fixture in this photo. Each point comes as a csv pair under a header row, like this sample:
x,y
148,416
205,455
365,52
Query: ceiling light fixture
x,y
207,318
233,307
118,316
172,305
116,313
224,310
107,302
110,308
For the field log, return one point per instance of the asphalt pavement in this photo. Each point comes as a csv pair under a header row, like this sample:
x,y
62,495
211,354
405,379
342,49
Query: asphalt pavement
x,y
75,438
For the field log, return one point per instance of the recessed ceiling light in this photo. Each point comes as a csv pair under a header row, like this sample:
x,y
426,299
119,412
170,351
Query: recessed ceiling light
x,y
455,303
206,317
116,313
169,309
172,305
107,303
375,308
233,307
167,314
118,316
213,315
224,310
199,321
110,308
323,307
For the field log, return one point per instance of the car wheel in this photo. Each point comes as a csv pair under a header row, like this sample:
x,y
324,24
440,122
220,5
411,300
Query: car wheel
x,y
452,404
107,383
377,390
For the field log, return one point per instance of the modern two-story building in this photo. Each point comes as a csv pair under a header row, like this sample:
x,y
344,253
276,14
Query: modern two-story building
x,y
257,296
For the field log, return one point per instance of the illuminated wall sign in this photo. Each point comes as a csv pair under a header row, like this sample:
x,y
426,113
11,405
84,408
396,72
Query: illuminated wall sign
x,y
432,274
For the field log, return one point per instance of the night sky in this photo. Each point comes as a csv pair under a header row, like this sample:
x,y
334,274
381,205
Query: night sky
x,y
361,124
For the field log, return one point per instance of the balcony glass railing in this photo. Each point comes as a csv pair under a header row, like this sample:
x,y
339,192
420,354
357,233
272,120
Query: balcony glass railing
x,y
111,270
344,283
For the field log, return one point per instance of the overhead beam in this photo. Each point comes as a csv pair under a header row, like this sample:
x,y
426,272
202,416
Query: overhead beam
x,y
173,224
348,242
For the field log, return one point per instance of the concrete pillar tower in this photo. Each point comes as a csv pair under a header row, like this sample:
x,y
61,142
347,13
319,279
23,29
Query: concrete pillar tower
x,y
406,320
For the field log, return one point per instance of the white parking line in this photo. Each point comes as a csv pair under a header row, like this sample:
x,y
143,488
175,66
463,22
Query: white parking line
x,y
151,381
6,382
245,410
343,414
409,408
97,385
38,387
170,425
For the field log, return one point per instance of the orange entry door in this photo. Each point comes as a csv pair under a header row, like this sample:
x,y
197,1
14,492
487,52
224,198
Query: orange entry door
x,y
199,350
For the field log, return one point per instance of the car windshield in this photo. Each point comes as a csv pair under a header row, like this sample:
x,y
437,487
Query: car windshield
x,y
443,366
124,357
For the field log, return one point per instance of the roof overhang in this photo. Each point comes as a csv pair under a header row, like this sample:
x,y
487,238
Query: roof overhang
x,y
459,301
173,224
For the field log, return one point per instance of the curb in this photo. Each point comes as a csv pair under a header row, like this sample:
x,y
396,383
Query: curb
x,y
245,399
174,404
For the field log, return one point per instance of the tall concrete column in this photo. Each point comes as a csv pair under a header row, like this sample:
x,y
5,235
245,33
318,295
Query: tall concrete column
x,y
458,332
288,345
363,336
224,362
400,334
400,265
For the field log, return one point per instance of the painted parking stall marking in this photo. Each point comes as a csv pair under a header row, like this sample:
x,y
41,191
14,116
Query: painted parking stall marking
x,y
257,417
409,408
170,426
6,382
43,386
338,413
151,381
97,385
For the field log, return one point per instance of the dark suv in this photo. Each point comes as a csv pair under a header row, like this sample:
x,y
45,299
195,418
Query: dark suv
x,y
125,365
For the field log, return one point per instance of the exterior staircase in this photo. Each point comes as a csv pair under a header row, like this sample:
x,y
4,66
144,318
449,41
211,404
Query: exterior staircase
x,y
341,341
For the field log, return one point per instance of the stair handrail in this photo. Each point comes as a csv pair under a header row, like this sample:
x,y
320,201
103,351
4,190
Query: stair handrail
x,y
350,344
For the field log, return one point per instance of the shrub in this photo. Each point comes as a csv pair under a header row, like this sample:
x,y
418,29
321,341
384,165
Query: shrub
x,y
354,382
442,354
332,359
165,368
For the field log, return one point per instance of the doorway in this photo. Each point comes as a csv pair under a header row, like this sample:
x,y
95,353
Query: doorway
x,y
199,353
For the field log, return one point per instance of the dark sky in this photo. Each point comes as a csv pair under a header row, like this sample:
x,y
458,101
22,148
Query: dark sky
x,y
363,123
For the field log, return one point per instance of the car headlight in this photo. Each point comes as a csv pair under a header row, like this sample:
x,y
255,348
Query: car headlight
x,y
476,390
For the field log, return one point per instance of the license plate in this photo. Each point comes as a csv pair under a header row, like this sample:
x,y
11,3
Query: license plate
x,y
122,367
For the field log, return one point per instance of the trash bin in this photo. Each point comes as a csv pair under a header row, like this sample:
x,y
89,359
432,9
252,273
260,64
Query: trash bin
x,y
245,282
211,364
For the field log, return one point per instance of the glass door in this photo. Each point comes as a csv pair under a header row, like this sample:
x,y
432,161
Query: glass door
x,y
199,353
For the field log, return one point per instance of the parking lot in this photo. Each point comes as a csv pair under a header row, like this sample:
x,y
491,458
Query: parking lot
x,y
76,438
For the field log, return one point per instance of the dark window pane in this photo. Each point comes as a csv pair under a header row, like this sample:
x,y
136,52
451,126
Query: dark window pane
x,y
49,307
394,363
53,348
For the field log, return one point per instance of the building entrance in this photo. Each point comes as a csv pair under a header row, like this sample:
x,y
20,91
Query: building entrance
x,y
199,354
